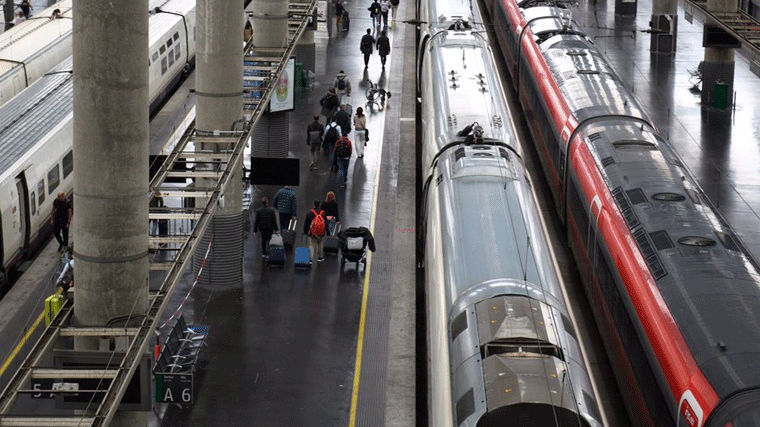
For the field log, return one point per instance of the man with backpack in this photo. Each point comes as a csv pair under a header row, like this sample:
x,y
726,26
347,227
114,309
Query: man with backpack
x,y
314,227
332,134
342,157
343,119
366,46
314,133
343,86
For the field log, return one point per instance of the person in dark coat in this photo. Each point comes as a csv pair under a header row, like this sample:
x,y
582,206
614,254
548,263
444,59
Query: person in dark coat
x,y
330,103
383,47
367,46
343,120
61,220
330,206
266,224
286,203
315,131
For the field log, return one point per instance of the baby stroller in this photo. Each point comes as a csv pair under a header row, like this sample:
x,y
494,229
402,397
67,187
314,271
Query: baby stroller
x,y
354,242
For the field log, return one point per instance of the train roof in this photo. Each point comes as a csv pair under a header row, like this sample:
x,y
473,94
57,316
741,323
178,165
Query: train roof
x,y
707,279
160,22
25,40
488,225
30,115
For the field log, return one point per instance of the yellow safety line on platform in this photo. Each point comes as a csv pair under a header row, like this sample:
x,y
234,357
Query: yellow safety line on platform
x,y
28,335
367,267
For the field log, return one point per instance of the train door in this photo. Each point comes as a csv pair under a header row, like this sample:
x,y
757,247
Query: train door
x,y
22,206
595,211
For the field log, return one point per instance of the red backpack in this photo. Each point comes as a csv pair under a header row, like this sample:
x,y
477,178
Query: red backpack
x,y
317,224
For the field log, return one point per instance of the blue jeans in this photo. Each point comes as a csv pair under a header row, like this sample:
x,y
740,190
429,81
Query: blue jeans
x,y
343,169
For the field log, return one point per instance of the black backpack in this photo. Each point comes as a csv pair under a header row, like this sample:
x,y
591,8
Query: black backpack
x,y
332,135
342,150
341,83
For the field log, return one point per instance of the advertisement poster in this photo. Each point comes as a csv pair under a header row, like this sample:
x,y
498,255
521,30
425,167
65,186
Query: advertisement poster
x,y
282,97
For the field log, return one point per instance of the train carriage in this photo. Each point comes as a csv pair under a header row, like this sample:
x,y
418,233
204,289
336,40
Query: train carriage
x,y
674,292
501,345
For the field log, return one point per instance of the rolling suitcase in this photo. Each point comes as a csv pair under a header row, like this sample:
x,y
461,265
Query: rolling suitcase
x,y
302,257
289,235
331,242
346,20
276,255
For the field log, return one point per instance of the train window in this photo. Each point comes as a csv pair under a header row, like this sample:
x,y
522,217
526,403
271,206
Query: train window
x,y
169,43
68,164
162,49
54,178
163,66
175,36
696,241
171,58
177,53
33,199
154,57
634,145
669,197
41,191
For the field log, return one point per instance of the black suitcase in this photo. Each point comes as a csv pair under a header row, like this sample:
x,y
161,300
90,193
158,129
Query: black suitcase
x,y
276,256
331,242
346,20
289,235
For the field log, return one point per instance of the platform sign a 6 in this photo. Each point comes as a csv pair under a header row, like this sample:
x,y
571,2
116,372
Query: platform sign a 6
x,y
174,388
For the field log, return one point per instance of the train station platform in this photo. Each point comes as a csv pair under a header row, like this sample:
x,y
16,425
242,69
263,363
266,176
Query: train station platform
x,y
336,345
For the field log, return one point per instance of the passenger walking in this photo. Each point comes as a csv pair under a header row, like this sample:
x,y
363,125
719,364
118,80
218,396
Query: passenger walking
x,y
339,9
342,157
394,6
286,203
374,13
61,220
360,134
26,7
330,103
343,120
342,86
383,47
332,135
266,224
247,31
330,206
314,227
314,133
366,46
385,6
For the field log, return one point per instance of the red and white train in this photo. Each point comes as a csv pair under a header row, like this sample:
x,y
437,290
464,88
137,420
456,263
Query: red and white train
x,y
675,293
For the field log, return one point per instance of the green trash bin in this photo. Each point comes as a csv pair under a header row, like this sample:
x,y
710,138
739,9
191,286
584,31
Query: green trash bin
x,y
299,75
720,95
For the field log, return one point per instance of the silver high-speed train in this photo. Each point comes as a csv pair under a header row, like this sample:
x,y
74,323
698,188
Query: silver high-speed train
x,y
36,134
501,346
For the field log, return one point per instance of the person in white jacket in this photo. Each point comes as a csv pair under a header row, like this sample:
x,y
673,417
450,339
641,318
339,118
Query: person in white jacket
x,y
385,6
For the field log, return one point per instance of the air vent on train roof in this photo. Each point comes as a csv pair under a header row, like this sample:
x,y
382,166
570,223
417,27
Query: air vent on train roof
x,y
588,72
608,161
625,207
459,153
696,241
594,136
576,53
504,154
669,197
634,145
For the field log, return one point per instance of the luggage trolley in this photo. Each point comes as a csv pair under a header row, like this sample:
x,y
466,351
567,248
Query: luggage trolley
x,y
354,242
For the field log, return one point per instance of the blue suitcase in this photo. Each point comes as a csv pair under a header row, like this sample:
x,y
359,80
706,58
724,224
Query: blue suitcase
x,y
302,257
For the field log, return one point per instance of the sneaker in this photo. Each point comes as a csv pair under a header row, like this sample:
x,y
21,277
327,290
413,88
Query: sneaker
x,y
343,186
320,259
264,256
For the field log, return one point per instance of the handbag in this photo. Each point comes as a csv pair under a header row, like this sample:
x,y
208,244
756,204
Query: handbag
x,y
366,134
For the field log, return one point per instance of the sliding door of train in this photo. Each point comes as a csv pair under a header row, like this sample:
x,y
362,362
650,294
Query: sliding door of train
x,y
21,205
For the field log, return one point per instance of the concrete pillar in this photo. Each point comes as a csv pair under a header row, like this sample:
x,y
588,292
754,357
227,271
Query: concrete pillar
x,y
219,103
111,167
718,65
305,50
664,26
270,29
